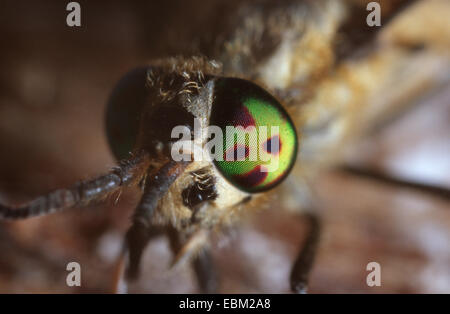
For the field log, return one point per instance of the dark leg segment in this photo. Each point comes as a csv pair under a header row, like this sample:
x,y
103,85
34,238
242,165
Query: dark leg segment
x,y
305,259
127,173
202,263
137,239
441,192
141,231
206,272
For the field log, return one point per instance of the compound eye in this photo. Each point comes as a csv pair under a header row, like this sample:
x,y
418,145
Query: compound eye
x,y
259,139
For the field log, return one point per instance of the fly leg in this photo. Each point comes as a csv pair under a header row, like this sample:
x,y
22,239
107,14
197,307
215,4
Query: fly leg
x,y
305,259
195,248
437,191
141,231
205,271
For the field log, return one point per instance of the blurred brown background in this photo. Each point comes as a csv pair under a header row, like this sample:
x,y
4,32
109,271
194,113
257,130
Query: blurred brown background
x,y
54,84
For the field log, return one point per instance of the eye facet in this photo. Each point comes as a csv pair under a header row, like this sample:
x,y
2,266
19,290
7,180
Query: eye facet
x,y
261,149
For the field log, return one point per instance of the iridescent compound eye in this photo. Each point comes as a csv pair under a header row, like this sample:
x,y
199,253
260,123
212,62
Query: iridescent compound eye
x,y
259,138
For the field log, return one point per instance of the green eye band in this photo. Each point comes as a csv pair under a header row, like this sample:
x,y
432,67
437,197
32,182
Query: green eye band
x,y
259,138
